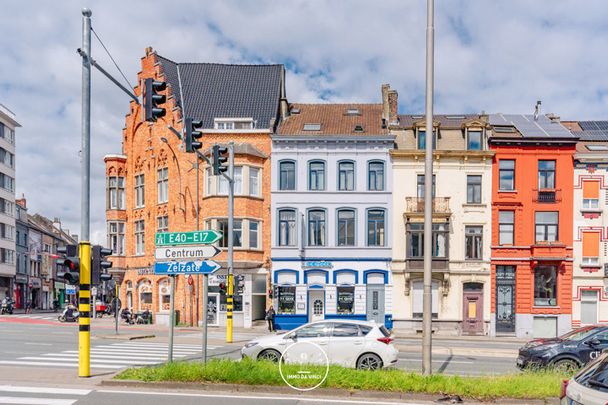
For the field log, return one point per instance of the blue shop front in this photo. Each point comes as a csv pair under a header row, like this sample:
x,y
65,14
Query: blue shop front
x,y
312,290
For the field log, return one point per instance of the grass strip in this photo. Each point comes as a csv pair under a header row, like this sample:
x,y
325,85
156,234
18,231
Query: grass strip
x,y
529,385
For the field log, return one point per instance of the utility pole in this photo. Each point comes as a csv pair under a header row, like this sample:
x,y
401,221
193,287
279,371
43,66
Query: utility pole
x,y
84,302
229,295
427,301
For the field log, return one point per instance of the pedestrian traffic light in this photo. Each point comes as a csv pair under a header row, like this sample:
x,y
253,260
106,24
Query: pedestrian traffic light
x,y
153,100
99,264
219,159
223,288
193,134
70,262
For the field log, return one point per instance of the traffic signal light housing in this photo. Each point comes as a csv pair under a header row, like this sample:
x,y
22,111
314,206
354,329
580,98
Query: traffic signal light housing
x,y
223,288
70,263
153,100
99,264
220,157
193,134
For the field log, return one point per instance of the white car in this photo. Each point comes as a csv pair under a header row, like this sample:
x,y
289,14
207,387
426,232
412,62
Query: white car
x,y
364,345
589,386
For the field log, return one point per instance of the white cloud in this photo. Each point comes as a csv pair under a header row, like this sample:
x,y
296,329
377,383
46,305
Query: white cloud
x,y
492,56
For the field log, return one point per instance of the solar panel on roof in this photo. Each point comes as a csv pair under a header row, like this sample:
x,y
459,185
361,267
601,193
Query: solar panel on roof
x,y
592,135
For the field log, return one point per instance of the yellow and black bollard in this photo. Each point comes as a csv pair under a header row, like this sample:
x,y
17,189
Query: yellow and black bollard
x,y
84,307
229,308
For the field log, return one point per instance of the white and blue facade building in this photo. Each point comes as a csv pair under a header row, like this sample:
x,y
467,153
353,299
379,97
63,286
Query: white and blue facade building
x,y
331,213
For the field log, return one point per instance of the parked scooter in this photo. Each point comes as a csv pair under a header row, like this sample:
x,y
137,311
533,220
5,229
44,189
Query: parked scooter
x,y
70,314
7,306
127,316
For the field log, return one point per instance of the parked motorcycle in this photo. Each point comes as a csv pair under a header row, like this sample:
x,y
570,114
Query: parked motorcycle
x,y
144,318
70,314
7,306
127,316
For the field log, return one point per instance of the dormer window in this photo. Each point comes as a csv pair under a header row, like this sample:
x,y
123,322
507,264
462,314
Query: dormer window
x,y
353,111
231,124
474,140
312,127
359,128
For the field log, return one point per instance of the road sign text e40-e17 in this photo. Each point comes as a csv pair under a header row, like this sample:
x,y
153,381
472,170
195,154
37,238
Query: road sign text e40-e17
x,y
187,238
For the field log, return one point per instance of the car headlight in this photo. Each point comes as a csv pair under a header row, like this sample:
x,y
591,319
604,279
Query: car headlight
x,y
250,344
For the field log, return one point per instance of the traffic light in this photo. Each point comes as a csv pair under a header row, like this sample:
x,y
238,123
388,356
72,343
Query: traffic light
x,y
70,263
219,159
153,100
192,134
223,288
99,264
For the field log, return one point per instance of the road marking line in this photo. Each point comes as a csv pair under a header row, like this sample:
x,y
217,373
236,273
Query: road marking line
x,y
275,398
156,346
43,390
36,401
441,361
119,353
40,363
38,344
109,356
93,361
152,351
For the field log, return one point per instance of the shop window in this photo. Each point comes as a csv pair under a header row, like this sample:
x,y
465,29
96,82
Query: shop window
x,y
545,286
286,298
346,300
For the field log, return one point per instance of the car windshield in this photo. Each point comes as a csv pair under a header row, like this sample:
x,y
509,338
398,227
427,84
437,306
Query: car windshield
x,y
578,334
595,374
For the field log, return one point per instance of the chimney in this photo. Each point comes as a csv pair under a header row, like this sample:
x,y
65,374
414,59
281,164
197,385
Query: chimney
x,y
537,110
57,223
393,107
149,50
283,103
553,118
385,89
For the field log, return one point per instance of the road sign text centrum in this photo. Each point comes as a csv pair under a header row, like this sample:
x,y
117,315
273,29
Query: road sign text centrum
x,y
187,238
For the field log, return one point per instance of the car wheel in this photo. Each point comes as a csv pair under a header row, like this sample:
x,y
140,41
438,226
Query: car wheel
x,y
369,361
566,365
270,355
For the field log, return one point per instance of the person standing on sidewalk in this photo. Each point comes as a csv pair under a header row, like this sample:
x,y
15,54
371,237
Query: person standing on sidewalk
x,y
270,318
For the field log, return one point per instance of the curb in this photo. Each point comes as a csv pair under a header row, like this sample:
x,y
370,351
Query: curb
x,y
326,392
125,337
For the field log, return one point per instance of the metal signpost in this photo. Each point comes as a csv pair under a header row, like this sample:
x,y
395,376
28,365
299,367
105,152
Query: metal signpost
x,y
184,253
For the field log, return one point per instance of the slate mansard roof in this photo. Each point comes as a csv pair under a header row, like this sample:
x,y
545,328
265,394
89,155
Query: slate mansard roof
x,y
212,90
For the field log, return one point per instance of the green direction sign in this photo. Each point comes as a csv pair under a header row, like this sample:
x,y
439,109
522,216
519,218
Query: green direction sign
x,y
188,238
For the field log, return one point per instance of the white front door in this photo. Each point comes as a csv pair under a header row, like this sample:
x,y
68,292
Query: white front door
x,y
316,305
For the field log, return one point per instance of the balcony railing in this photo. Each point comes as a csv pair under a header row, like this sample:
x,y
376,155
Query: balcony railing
x,y
441,205
547,195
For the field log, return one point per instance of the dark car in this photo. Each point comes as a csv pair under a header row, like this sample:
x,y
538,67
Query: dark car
x,y
567,352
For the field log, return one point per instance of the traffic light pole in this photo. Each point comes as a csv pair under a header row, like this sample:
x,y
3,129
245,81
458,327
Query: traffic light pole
x,y
84,303
171,318
229,296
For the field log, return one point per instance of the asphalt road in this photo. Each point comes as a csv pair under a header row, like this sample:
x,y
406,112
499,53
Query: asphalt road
x,y
36,342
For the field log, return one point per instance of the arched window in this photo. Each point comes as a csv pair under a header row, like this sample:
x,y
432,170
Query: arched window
x,y
144,290
316,175
375,175
346,227
164,295
287,227
346,176
287,175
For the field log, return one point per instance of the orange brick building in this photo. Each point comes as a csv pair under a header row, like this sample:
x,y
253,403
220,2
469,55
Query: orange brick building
x,y
154,186
532,224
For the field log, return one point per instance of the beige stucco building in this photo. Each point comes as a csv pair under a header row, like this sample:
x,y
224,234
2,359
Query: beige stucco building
x,y
461,221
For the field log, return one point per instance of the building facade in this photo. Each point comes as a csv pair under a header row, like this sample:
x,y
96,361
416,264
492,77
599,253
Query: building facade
x,y
462,167
8,124
590,199
331,209
22,259
154,186
532,221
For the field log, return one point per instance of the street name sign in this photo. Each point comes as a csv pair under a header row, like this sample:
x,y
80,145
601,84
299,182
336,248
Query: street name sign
x,y
205,237
186,252
195,267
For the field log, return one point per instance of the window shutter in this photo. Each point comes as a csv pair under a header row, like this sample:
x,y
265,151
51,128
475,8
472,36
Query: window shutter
x,y
591,244
591,189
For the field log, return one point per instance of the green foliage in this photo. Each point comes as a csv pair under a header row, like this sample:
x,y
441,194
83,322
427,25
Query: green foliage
x,y
533,384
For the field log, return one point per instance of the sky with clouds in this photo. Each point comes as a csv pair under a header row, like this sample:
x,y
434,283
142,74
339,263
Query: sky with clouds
x,y
496,56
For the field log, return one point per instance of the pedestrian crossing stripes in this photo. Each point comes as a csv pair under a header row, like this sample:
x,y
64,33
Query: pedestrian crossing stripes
x,y
14,394
112,356
43,317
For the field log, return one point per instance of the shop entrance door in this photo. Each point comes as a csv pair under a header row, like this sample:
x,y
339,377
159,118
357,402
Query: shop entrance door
x,y
316,305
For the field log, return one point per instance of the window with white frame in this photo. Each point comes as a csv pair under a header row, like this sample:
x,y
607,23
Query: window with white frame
x,y
473,242
287,175
116,193
474,140
222,185
139,238
591,248
139,191
287,227
162,223
375,175
376,225
254,232
346,227
116,237
238,180
254,181
346,176
316,175
591,194
209,182
234,123
163,185
506,227
316,228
